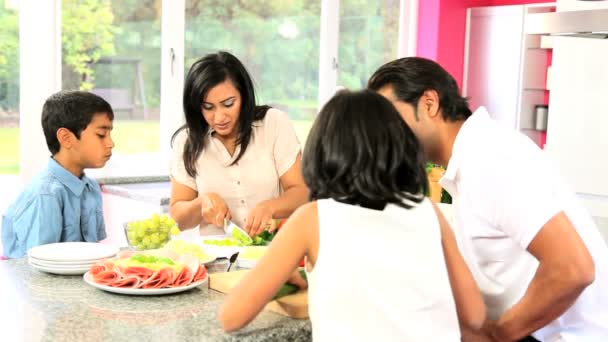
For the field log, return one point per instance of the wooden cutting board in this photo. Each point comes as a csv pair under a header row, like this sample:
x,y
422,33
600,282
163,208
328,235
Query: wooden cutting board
x,y
294,305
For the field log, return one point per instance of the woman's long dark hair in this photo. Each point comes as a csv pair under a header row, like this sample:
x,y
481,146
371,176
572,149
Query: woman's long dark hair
x,y
204,74
361,152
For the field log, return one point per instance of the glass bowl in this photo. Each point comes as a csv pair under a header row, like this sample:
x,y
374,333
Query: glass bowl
x,y
151,233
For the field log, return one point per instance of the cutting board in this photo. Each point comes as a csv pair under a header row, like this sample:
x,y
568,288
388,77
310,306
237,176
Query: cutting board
x,y
294,305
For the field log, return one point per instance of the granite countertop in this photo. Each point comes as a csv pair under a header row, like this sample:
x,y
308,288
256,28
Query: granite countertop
x,y
157,192
37,306
131,179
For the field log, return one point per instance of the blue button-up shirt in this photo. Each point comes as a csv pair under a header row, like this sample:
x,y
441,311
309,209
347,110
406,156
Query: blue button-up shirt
x,y
55,207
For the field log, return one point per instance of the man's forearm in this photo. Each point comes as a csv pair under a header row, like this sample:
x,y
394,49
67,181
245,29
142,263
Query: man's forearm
x,y
552,291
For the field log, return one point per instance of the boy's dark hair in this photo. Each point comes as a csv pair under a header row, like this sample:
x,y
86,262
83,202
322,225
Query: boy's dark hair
x,y
72,110
204,74
412,76
360,151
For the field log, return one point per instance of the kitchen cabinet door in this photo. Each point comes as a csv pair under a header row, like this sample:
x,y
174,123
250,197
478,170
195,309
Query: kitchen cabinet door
x,y
578,116
493,54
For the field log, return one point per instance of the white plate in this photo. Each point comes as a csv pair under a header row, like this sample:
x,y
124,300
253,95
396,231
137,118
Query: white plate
x,y
60,266
62,271
142,292
64,263
74,264
73,251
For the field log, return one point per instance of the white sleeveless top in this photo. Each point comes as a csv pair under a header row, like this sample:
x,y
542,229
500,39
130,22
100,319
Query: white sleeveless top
x,y
380,276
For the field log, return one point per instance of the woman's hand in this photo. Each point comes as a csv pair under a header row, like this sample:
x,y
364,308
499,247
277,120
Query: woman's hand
x,y
260,218
214,209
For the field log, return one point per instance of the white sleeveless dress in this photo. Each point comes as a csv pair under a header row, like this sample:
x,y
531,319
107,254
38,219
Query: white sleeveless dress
x,y
380,276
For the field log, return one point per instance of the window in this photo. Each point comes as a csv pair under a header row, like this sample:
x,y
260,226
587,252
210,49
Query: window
x,y
277,41
9,87
112,48
368,39
296,51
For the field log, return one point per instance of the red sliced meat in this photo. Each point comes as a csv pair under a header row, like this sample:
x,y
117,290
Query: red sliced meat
x,y
104,265
183,278
138,271
128,282
97,268
161,278
106,278
200,274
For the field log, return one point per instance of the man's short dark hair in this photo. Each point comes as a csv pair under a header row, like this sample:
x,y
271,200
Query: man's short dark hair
x,y
72,110
360,151
410,77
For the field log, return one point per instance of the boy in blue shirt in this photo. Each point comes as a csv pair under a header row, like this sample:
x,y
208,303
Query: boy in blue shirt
x,y
61,203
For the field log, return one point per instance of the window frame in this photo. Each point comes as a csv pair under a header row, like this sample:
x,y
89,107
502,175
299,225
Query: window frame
x,y
40,77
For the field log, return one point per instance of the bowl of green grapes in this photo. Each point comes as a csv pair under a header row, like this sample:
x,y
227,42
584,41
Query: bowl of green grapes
x,y
150,233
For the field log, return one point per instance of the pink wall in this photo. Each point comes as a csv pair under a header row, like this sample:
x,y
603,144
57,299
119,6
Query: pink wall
x,y
441,30
428,28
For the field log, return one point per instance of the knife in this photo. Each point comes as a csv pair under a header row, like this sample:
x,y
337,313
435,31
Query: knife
x,y
237,232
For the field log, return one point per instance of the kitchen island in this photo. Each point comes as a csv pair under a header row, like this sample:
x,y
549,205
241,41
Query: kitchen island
x,y
37,306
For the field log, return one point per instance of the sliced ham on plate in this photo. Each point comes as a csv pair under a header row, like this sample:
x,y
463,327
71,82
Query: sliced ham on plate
x,y
106,278
159,269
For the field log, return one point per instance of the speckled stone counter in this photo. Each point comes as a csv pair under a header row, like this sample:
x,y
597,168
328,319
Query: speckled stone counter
x,y
36,306
157,193
131,179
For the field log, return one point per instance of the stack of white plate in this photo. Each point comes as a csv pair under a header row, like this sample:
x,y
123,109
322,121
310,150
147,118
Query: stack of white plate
x,y
69,257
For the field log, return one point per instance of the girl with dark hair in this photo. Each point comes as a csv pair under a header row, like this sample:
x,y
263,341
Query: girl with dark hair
x,y
382,262
232,159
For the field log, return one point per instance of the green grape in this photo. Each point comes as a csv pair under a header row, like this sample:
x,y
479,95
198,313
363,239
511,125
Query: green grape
x,y
152,232
132,236
164,238
141,231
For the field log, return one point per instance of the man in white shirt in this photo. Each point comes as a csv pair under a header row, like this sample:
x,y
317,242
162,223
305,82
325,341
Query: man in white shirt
x,y
535,252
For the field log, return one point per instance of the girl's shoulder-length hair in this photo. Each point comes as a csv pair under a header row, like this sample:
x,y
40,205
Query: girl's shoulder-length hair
x,y
360,151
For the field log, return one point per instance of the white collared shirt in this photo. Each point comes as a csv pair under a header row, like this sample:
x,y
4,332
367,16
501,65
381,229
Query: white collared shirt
x,y
271,152
504,190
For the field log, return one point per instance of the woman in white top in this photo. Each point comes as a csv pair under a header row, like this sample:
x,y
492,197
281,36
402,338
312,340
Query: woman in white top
x,y
382,261
232,158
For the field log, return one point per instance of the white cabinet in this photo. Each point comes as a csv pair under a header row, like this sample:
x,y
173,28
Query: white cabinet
x,y
493,60
578,117
505,69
